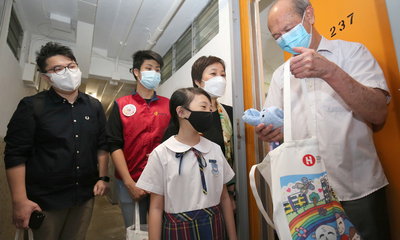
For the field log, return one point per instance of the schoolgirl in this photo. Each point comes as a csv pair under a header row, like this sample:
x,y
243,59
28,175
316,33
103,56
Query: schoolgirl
x,y
186,176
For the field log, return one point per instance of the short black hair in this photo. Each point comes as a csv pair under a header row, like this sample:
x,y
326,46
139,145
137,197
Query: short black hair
x,y
183,97
49,50
201,64
139,57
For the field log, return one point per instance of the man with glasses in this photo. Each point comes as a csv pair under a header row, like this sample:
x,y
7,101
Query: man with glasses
x,y
56,151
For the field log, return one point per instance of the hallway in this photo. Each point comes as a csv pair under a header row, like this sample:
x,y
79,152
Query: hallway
x,y
107,222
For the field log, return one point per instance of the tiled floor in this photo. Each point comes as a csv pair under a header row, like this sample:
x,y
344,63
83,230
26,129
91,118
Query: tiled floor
x,y
107,222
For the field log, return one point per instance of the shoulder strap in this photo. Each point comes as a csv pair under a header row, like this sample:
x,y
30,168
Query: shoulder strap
x,y
137,217
287,105
265,173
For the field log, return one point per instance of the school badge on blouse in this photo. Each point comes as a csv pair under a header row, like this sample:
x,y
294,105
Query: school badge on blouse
x,y
214,167
129,110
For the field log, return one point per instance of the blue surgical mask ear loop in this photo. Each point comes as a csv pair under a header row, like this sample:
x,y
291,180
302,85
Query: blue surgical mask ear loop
x,y
296,37
302,23
311,27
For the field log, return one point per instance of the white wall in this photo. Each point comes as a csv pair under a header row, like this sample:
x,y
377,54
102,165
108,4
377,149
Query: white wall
x,y
393,7
101,66
12,88
219,46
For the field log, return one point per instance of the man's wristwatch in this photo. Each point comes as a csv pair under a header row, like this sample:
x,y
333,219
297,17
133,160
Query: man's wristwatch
x,y
104,178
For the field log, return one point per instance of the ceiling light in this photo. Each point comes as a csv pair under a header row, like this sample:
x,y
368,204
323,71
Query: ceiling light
x,y
60,22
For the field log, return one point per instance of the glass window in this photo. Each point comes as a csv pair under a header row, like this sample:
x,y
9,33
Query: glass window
x,y
183,48
166,71
15,34
199,33
2,10
206,25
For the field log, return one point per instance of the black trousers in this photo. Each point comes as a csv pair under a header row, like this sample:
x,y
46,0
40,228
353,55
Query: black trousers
x,y
369,215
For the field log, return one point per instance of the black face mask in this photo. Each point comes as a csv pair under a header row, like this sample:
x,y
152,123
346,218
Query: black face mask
x,y
201,121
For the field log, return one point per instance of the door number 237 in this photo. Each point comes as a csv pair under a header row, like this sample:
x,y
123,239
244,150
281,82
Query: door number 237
x,y
342,24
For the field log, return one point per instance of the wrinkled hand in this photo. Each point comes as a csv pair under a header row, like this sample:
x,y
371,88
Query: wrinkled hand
x,y
266,133
101,188
22,210
310,64
135,192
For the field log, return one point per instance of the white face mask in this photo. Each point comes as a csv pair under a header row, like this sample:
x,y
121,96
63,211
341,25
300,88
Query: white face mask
x,y
68,82
215,86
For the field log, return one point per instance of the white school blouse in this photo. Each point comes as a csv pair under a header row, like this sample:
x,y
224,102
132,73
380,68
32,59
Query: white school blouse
x,y
183,192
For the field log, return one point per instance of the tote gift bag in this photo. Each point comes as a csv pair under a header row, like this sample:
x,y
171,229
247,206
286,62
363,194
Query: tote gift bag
x,y
133,232
304,204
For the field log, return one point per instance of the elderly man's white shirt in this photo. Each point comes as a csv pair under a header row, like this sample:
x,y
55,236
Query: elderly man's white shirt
x,y
183,192
345,140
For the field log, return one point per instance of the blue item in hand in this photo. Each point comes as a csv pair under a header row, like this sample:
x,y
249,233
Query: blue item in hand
x,y
271,115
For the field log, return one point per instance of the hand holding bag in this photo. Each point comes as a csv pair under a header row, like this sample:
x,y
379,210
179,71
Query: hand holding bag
x,y
133,232
304,204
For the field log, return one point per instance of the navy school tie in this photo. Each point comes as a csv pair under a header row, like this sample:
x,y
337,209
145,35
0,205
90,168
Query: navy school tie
x,y
202,164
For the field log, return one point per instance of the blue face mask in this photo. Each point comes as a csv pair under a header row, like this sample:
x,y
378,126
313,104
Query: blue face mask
x,y
150,79
296,37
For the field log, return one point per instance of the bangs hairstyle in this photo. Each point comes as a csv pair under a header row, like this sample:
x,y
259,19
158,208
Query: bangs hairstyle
x,y
200,65
49,50
139,57
183,97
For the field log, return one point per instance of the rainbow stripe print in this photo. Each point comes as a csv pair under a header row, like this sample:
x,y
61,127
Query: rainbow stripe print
x,y
312,209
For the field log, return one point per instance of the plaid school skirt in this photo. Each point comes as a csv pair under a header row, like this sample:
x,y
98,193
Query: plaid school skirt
x,y
203,224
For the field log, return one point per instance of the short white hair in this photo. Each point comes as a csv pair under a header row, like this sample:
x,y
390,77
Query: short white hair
x,y
299,6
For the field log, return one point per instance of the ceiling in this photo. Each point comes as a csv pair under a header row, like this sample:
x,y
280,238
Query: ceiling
x,y
121,27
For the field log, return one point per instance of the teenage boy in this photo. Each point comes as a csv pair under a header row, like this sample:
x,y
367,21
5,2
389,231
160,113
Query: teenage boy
x,y
135,127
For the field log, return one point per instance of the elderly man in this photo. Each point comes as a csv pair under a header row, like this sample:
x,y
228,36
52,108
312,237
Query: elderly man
x,y
347,93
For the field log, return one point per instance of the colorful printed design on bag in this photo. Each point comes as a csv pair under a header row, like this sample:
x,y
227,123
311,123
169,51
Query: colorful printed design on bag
x,y
312,209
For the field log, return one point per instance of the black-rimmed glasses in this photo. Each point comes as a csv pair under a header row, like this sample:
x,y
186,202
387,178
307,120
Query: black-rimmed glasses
x,y
60,70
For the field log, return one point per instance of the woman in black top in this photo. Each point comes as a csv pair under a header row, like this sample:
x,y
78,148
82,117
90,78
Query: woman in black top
x,y
209,73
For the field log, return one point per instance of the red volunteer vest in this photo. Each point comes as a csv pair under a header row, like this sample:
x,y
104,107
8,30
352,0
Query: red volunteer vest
x,y
143,128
